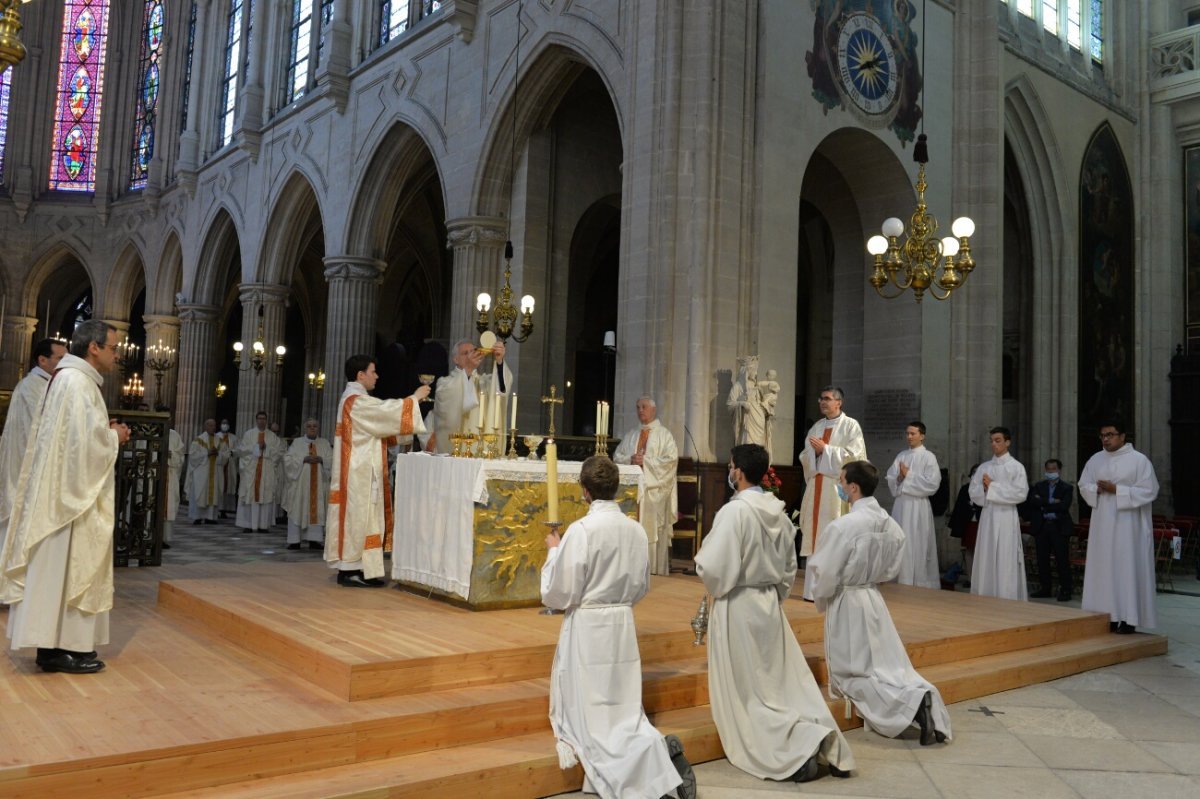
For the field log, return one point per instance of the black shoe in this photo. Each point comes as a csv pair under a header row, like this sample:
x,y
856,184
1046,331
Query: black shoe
x,y
834,771
209,521
375,582
1112,626
293,546
315,545
1064,596
198,521
686,789
355,579
808,772
924,720
166,545
1041,595
72,663
1125,629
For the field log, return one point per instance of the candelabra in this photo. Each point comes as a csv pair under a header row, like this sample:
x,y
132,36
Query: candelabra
x,y
160,360
316,381
132,392
127,357
512,444
221,389
504,315
258,360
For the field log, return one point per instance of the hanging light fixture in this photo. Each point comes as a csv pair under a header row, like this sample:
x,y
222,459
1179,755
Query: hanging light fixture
x,y
921,262
258,352
12,50
503,317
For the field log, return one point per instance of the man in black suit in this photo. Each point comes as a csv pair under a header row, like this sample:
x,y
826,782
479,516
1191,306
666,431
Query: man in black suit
x,y
1050,512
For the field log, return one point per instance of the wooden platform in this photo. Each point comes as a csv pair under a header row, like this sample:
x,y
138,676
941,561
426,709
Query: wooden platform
x,y
268,680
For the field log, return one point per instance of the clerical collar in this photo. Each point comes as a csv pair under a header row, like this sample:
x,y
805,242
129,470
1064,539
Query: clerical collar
x,y
833,420
40,372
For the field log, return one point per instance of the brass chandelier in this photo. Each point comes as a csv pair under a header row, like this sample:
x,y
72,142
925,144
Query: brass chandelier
x,y
12,51
504,315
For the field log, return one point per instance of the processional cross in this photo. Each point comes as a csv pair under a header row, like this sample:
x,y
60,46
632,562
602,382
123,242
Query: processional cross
x,y
552,400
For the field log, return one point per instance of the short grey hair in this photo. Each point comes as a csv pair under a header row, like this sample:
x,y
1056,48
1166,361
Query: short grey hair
x,y
459,343
86,333
648,399
835,391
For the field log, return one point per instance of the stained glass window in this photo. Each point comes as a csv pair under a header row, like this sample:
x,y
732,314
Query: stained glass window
x,y
326,18
393,19
5,89
1050,15
301,49
146,120
1097,30
186,93
233,68
80,91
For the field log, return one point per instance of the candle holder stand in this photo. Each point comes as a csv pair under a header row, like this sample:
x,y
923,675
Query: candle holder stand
x,y
552,611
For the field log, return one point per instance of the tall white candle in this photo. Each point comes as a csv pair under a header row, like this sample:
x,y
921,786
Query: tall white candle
x,y
497,412
513,422
604,418
598,418
478,420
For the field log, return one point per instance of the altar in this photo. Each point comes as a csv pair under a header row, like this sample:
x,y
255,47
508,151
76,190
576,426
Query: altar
x,y
472,532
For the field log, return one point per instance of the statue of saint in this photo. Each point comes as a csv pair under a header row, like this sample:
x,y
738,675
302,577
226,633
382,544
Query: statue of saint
x,y
745,403
769,392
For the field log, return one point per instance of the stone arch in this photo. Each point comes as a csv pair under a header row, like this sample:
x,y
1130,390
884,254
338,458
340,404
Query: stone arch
x,y
222,242
400,154
294,211
528,104
168,278
53,258
127,278
1052,228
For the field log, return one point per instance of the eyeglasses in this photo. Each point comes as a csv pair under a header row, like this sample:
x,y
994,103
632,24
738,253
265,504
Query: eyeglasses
x,y
826,399
1110,435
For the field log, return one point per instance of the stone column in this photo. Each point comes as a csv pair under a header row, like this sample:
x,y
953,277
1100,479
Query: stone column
x,y
162,329
253,92
199,365
478,245
15,349
115,380
259,389
333,73
189,139
350,313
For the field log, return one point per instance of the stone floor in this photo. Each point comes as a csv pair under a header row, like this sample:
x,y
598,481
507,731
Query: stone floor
x,y
1131,730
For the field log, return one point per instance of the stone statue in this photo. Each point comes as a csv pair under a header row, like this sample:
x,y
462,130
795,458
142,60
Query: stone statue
x,y
745,403
769,394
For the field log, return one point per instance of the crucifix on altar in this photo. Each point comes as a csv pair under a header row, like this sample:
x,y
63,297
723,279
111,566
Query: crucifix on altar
x,y
552,400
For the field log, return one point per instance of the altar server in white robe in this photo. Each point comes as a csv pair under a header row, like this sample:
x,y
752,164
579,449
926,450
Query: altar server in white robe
x,y
867,662
651,446
306,493
207,456
23,409
1120,485
175,456
229,499
458,393
832,442
596,573
56,569
359,521
771,716
999,486
913,478
260,456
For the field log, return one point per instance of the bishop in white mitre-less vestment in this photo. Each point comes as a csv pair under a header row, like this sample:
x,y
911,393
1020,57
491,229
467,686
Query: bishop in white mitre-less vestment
x,y
306,493
23,410
207,456
912,486
260,461
651,446
359,520
57,565
458,395
1119,579
598,572
770,713
999,565
867,661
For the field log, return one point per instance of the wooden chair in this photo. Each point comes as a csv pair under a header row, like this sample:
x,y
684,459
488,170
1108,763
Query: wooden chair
x,y
1164,555
690,524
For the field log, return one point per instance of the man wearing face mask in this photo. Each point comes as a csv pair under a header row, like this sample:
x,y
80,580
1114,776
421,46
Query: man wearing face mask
x,y
596,572
1052,527
229,499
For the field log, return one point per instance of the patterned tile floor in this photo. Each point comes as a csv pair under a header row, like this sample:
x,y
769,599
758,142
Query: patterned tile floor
x,y
224,542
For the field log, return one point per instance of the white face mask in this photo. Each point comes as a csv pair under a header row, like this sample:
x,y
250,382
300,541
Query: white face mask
x,y
225,428
729,479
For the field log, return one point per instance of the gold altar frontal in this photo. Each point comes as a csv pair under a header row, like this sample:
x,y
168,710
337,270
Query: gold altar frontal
x,y
508,533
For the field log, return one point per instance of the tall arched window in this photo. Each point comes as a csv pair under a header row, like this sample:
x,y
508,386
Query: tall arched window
x,y
1097,29
78,99
236,26
145,122
186,90
5,90
300,52
397,16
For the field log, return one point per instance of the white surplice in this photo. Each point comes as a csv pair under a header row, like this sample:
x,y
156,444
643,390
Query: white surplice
x,y
999,565
23,409
821,504
206,476
867,661
457,395
1119,578
919,562
769,711
56,567
260,463
598,572
658,492
229,471
306,493
359,520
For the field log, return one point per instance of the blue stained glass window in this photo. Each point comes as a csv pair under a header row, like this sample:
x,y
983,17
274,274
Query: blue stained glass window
x,y
146,118
5,91
186,93
393,19
1098,30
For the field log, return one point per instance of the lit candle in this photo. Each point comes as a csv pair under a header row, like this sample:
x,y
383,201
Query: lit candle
x,y
551,481
604,417
598,413
497,412
513,423
478,420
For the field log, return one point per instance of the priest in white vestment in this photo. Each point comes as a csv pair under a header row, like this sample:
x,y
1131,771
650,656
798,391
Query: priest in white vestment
x,y
651,446
229,499
999,486
832,442
913,478
459,393
596,573
306,493
23,409
260,458
770,714
867,661
359,520
1120,485
56,569
207,456
175,456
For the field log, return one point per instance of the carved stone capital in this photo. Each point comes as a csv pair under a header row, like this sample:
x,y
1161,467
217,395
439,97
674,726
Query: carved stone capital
x,y
353,267
264,293
476,231
197,312
19,325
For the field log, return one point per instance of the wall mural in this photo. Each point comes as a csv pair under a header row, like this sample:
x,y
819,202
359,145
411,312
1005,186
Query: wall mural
x,y
864,60
1106,271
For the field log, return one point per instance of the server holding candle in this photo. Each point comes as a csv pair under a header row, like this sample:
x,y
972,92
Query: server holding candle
x,y
651,446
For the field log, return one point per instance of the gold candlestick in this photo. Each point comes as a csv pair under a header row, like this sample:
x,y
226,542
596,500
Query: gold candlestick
x,y
512,444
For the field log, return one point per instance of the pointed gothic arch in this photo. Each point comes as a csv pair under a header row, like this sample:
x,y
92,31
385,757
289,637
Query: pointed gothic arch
x,y
168,278
125,281
295,217
222,246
